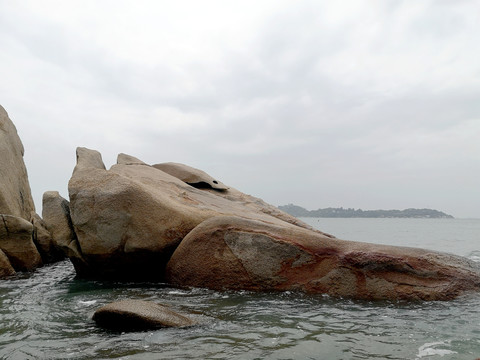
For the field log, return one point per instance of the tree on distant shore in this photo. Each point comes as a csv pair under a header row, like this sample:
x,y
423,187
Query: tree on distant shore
x,y
340,212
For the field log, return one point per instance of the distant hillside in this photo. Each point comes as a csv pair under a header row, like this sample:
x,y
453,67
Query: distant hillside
x,y
299,211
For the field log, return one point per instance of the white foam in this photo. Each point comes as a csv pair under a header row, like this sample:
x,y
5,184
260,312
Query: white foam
x,y
90,302
430,349
474,255
177,292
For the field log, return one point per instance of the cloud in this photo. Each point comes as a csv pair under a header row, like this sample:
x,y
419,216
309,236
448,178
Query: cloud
x,y
356,104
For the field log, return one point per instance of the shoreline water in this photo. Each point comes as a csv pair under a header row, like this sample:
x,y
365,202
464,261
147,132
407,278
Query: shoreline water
x,y
47,314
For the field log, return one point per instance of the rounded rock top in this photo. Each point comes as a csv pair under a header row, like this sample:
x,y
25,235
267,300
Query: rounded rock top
x,y
134,315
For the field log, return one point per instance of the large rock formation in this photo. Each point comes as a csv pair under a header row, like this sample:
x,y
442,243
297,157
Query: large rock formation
x,y
15,195
176,223
129,220
246,254
19,252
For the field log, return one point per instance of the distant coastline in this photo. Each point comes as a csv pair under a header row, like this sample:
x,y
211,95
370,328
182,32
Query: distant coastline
x,y
299,211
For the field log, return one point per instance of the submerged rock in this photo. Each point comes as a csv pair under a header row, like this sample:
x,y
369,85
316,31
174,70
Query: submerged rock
x,y
133,315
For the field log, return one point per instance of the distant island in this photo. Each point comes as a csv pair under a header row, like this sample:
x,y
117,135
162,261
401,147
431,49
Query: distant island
x,y
299,211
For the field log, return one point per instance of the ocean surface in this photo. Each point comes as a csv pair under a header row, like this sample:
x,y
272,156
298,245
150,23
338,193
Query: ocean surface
x,y
47,314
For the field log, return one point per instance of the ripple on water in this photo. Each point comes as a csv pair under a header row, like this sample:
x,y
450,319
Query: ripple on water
x,y
474,255
48,315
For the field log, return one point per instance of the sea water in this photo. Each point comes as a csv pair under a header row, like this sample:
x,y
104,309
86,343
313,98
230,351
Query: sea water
x,y
47,314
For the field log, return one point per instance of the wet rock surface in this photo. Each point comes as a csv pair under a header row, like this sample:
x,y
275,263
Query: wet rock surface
x,y
135,315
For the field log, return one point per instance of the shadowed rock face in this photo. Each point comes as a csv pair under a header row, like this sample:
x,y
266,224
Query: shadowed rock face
x,y
133,315
56,215
6,269
245,254
43,240
129,219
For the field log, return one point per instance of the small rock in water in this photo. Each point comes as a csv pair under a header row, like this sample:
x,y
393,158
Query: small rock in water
x,y
132,315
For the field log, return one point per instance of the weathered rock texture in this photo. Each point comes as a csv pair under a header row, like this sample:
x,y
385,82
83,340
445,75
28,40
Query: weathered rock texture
x,y
16,241
43,239
194,177
56,216
204,181
131,315
6,269
15,195
129,220
245,254
25,241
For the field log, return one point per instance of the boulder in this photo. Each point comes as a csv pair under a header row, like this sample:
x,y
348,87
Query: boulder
x,y
18,237
194,177
129,219
6,269
15,195
237,253
43,239
56,216
133,315
16,241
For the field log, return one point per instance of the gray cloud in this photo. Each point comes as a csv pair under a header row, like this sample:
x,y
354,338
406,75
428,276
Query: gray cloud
x,y
359,105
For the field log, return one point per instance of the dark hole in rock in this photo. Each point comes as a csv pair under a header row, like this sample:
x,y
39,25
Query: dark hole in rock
x,y
205,185
201,185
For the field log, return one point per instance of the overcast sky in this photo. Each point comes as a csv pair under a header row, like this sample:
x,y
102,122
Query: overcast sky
x,y
364,104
